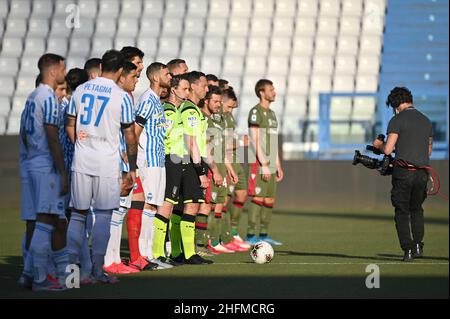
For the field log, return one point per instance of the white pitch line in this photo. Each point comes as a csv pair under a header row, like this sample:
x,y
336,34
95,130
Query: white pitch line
x,y
367,263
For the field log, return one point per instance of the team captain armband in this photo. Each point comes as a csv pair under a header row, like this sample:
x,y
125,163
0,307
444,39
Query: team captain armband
x,y
140,121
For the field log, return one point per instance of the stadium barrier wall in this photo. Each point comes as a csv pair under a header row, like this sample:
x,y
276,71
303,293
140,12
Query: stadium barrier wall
x,y
313,185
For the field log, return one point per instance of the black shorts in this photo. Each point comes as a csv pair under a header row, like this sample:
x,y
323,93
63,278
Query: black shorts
x,y
190,186
174,172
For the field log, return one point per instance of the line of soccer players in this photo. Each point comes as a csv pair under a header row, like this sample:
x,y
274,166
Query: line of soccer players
x,y
83,137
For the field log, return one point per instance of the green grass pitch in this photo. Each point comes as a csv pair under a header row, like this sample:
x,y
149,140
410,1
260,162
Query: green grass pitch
x,y
324,255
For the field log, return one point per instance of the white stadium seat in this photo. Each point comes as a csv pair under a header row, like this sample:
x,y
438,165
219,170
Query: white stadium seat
x,y
121,42
5,107
302,46
327,26
368,64
298,84
20,8
88,8
238,26
241,8
351,7
131,9
320,84
301,64
370,44
211,65
175,9
127,27
295,105
258,46
148,45
216,27
340,108
285,8
219,8
194,26
74,61
329,8
214,46
325,45
34,47
280,46
283,27
58,28
263,8
28,66
6,85
3,9
16,27
350,26
150,27
169,46
38,28
236,46
105,27
366,83
347,44
364,108
323,64
260,27
100,45
79,46
153,8
8,66
86,28
197,8
192,46
11,47
255,65
233,66
305,26
345,64
277,65
109,9
343,83
307,8
13,125
25,84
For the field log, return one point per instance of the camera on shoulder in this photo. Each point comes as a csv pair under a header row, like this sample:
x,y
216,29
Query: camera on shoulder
x,y
384,166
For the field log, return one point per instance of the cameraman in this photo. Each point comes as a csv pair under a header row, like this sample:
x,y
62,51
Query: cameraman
x,y
411,134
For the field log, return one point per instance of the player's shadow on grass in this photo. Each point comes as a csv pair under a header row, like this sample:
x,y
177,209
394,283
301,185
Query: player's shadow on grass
x,y
11,267
358,216
341,256
425,257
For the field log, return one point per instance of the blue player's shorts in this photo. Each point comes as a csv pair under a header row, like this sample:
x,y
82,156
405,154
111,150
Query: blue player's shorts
x,y
46,189
27,211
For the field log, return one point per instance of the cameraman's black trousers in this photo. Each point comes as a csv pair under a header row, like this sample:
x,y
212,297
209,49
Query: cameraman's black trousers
x,y
409,191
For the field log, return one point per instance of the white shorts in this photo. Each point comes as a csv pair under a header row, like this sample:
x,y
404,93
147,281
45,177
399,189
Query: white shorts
x,y
45,193
98,192
125,201
154,183
27,211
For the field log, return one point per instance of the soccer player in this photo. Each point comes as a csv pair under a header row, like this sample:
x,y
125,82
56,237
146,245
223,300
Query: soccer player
x,y
93,67
174,150
98,110
150,130
135,56
212,80
47,174
177,66
223,85
113,262
266,171
229,103
195,179
61,91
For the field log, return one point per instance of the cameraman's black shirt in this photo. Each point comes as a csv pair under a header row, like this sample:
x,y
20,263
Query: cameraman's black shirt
x,y
414,130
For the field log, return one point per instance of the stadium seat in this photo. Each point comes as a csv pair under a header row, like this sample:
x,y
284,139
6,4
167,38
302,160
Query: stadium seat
x,y
248,86
192,46
233,66
38,28
153,8
61,5
58,28
236,46
347,44
20,8
18,102
238,26
79,47
175,9
108,9
105,27
366,83
216,27
28,66
260,27
305,27
197,8
263,8
277,65
169,46
219,8
351,8
5,107
343,83
370,44
285,8
320,84
322,64
340,108
350,26
235,82
142,85
148,44
373,25
364,108
11,47
300,64
241,8
211,65
313,112
325,45
357,134
171,27
25,84
16,27
86,28
3,9
327,26
280,46
298,84
258,46
255,65
279,82
302,46
368,64
131,9
121,42
74,61
307,8
150,28
345,64
88,8
194,26
2,28
295,105
278,105
339,133
127,27
283,27
329,8
6,85
213,46
247,101
13,125
8,66
34,47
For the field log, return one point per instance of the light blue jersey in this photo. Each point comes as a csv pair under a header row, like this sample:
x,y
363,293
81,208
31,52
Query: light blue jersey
x,y
151,151
41,108
67,146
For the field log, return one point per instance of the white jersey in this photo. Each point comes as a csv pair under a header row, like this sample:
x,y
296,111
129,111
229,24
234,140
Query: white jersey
x,y
100,106
151,152
41,108
125,166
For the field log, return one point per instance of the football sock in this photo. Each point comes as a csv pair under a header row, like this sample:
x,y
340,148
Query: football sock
x,y
160,236
134,221
214,228
61,260
236,211
266,217
146,236
201,226
175,234
225,228
117,257
187,228
100,238
254,212
76,232
24,247
114,233
40,247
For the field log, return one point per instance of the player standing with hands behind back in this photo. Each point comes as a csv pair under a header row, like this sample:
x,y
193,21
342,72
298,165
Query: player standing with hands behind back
x,y
411,134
